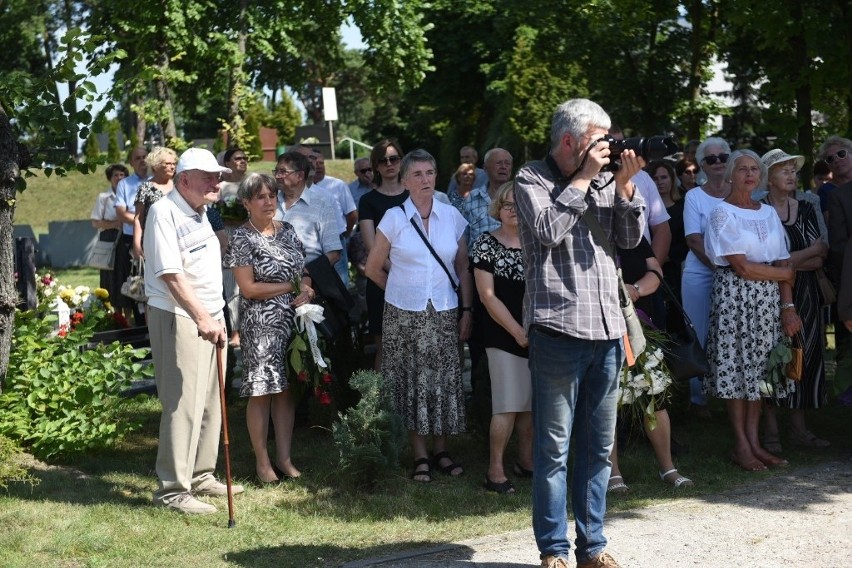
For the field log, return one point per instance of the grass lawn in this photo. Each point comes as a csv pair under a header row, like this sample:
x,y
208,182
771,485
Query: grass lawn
x,y
94,509
72,197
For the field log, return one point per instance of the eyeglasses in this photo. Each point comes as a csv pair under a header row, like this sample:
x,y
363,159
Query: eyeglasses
x,y
389,160
239,159
508,206
840,155
711,159
363,171
283,172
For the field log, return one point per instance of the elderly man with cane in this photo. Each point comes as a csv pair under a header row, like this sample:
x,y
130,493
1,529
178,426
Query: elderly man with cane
x,y
183,281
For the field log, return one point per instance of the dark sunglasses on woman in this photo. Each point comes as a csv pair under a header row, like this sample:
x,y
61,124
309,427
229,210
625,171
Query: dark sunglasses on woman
x,y
711,159
389,160
840,155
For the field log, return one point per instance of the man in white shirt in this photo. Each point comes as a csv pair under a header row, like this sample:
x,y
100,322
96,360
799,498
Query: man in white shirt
x,y
125,211
183,280
308,209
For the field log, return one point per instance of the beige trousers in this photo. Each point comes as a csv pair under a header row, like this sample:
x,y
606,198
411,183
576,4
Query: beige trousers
x,y
188,388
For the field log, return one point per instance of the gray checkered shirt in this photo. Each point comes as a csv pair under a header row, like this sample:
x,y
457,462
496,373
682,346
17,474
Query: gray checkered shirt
x,y
571,281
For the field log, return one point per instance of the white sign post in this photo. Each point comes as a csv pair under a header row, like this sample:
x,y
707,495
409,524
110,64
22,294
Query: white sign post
x,y
329,110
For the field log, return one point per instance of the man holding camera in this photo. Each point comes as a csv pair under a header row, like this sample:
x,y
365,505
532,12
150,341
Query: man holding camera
x,y
574,323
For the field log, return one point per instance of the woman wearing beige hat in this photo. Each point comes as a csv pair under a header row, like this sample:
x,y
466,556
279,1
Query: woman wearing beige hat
x,y
808,251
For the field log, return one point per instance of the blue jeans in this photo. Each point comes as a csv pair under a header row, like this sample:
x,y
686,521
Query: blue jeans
x,y
575,385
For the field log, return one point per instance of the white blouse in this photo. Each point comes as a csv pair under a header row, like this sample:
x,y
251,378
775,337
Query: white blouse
x,y
696,211
757,234
415,276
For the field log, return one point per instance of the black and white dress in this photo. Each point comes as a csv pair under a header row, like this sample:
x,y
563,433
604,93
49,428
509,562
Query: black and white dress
x,y
266,325
745,322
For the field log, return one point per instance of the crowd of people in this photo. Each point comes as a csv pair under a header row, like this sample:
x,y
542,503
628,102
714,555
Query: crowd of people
x,y
510,265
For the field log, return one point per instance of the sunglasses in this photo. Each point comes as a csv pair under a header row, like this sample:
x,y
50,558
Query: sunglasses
x,y
389,160
363,171
840,155
692,172
711,159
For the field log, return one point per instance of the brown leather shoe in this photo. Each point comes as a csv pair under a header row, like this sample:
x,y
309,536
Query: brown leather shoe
x,y
602,560
554,562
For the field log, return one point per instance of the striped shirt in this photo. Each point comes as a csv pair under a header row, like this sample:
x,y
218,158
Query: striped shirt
x,y
572,284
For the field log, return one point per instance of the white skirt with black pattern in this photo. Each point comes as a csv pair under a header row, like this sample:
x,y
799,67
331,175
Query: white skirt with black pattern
x,y
745,325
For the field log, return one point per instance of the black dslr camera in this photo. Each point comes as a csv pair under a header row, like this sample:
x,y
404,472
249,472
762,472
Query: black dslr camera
x,y
652,148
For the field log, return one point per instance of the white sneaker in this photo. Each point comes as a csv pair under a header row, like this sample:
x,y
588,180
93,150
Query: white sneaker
x,y
215,488
185,503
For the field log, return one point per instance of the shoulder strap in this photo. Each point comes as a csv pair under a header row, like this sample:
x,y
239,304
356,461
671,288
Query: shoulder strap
x,y
597,231
432,250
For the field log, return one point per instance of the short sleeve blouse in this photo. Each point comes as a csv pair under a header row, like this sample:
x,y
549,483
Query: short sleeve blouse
x,y
415,276
506,265
757,234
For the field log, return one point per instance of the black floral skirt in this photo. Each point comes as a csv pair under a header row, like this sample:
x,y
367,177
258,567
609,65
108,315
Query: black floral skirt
x,y
420,363
745,325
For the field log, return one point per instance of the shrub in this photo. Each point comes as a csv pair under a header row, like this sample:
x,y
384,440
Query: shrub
x,y
11,469
369,436
63,393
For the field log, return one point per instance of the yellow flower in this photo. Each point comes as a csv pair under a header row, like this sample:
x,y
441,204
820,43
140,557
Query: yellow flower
x,y
101,293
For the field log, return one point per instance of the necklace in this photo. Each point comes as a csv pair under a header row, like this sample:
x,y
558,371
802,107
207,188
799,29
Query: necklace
x,y
261,232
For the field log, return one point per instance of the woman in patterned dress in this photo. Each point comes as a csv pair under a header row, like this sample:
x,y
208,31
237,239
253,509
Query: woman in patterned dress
x,y
267,258
499,275
421,324
751,305
807,252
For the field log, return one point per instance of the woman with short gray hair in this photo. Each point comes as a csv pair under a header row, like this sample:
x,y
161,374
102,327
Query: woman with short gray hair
x,y
424,241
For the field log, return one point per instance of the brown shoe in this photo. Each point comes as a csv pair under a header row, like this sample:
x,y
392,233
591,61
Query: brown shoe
x,y
602,560
554,562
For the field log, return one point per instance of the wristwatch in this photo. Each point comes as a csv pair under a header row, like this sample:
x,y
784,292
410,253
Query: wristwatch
x,y
637,288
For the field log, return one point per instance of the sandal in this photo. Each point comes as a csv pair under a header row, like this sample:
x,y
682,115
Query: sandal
x,y
754,465
521,471
427,473
771,443
616,485
502,488
450,467
807,439
680,481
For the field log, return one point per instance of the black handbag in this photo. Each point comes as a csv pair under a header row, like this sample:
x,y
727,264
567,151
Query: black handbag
x,y
684,355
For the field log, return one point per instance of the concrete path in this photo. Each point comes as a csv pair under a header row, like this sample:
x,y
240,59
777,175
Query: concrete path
x,y
802,518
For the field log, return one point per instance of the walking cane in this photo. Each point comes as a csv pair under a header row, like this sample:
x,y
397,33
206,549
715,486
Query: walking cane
x,y
228,482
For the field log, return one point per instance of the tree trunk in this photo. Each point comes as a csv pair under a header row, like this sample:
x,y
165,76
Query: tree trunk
x,y
141,124
237,78
164,95
800,75
10,160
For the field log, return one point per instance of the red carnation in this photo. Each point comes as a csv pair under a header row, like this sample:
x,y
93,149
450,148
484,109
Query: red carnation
x,y
324,398
326,378
302,376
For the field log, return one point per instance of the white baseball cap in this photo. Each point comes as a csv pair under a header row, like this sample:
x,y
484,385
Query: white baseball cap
x,y
200,159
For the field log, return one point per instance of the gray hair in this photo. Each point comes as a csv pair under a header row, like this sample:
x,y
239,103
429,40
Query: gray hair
x,y
419,155
712,141
254,184
834,141
492,151
739,155
576,117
